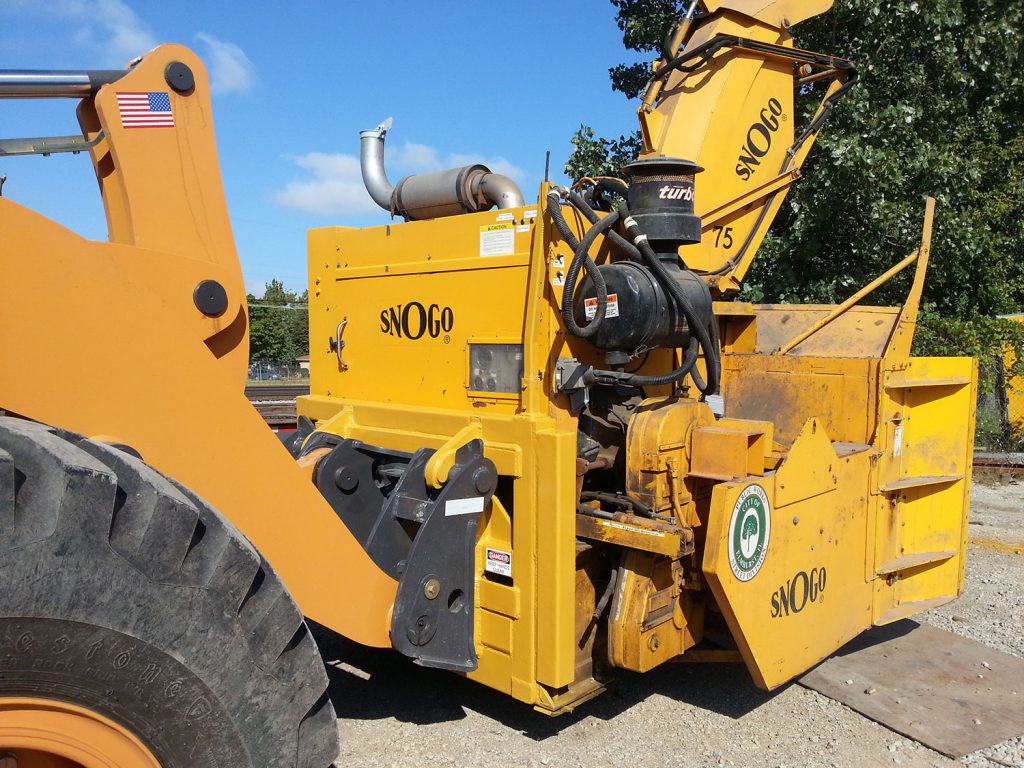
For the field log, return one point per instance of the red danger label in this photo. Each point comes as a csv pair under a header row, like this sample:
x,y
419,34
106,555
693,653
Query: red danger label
x,y
612,309
498,561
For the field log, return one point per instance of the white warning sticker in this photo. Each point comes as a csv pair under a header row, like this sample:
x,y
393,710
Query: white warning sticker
x,y
506,217
524,227
632,529
897,440
498,561
464,506
498,239
612,310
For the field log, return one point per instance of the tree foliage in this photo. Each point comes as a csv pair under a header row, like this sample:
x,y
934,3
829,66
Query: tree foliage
x,y
278,325
938,110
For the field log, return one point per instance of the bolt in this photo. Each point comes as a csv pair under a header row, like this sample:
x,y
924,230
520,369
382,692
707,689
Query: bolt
x,y
653,643
431,588
484,480
346,479
796,520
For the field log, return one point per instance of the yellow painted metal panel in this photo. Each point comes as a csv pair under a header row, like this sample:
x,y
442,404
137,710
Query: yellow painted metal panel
x,y
811,467
496,631
555,548
860,332
407,332
808,596
923,479
778,13
789,390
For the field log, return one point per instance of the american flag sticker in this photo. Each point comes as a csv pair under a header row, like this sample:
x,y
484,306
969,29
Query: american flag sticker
x,y
145,110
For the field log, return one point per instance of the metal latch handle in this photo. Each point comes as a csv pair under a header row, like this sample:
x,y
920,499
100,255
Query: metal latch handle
x,y
337,344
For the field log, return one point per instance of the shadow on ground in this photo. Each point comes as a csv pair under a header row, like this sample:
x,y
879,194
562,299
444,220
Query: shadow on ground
x,y
380,683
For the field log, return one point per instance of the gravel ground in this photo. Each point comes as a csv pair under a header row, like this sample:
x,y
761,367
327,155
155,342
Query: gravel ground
x,y
392,713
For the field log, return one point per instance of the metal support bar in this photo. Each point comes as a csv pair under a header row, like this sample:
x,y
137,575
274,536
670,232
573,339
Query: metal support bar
x,y
729,207
903,333
54,84
842,308
47,145
671,51
706,50
824,74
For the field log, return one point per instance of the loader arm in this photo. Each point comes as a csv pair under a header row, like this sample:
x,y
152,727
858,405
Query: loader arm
x,y
143,340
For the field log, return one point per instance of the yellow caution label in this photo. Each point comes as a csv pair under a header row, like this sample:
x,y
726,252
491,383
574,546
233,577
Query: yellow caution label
x,y
498,239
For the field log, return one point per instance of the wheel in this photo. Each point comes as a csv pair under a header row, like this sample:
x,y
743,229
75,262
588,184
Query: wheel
x,y
138,627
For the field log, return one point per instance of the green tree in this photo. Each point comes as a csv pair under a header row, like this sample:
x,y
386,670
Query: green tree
x,y
278,325
749,528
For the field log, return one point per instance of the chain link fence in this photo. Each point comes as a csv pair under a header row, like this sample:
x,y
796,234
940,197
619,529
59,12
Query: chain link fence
x,y
999,421
273,372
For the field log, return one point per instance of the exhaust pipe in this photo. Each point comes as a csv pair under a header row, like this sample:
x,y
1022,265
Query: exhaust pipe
x,y
469,189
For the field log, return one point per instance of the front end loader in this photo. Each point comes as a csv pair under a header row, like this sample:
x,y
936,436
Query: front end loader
x,y
544,442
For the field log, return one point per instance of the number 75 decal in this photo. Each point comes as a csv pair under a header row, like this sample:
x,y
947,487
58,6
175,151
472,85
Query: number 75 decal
x,y
723,237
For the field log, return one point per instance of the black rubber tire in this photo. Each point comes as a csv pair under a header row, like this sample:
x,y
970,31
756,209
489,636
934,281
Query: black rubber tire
x,y
124,592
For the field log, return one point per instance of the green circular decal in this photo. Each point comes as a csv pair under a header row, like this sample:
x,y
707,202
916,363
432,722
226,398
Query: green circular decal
x,y
749,530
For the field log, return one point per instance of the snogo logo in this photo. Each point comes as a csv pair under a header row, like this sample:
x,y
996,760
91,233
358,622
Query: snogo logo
x,y
414,321
758,139
795,594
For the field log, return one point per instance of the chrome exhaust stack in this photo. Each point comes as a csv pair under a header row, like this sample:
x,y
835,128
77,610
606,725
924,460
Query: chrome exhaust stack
x,y
469,189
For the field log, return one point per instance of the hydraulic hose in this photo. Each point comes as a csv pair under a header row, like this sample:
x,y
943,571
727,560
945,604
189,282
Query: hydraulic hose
x,y
555,208
704,338
627,248
685,367
583,256
604,184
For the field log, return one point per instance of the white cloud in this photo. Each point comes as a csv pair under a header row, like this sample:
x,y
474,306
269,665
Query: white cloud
x,y
110,32
231,71
127,35
334,186
413,158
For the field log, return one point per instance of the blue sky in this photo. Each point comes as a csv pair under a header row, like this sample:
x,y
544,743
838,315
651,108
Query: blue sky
x,y
293,84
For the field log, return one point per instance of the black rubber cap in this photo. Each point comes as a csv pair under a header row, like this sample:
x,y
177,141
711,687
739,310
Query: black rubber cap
x,y
179,76
210,297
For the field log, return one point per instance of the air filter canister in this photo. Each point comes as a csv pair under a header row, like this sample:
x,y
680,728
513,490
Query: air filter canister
x,y
661,200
